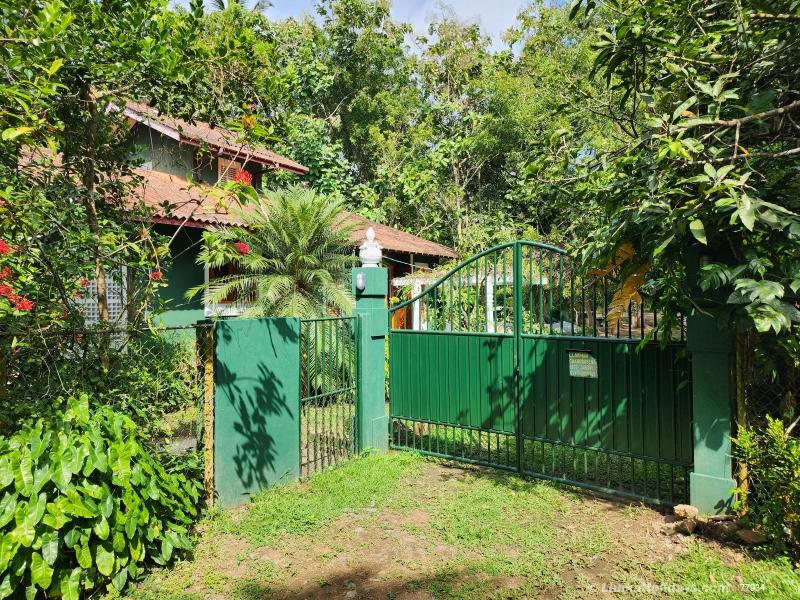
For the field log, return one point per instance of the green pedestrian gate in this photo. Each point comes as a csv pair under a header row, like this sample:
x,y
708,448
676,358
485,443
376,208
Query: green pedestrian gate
x,y
509,361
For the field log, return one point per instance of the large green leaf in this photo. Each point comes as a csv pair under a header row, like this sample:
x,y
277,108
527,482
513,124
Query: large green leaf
x,y
7,506
70,584
104,558
62,468
120,460
57,516
84,555
6,473
747,213
7,585
24,533
22,466
41,572
41,477
698,231
8,548
36,509
101,528
50,543
120,578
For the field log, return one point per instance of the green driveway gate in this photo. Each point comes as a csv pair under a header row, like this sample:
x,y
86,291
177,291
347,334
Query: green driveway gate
x,y
508,361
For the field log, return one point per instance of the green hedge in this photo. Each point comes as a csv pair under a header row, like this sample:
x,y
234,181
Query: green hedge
x,y
85,505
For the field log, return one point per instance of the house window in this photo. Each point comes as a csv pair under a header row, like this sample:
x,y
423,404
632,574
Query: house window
x,y
226,169
233,304
116,296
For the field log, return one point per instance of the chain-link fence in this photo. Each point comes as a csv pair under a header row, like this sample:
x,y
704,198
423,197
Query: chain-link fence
x,y
768,445
154,375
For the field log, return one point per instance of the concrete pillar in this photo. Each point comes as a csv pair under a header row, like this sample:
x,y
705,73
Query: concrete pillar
x,y
711,482
416,312
370,287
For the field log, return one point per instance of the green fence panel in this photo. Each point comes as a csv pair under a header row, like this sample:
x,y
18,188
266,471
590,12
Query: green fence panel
x,y
256,406
457,379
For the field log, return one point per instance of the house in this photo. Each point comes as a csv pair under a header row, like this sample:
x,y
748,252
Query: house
x,y
171,152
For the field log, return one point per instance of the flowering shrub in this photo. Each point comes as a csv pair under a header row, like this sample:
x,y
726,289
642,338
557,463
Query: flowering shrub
x,y
86,505
5,248
156,276
244,177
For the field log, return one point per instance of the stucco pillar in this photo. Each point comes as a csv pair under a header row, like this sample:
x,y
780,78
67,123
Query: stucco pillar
x,y
370,287
710,345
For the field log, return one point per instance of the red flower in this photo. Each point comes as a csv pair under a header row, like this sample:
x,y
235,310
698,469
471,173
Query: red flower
x,y
84,282
5,273
5,248
244,177
21,302
6,290
242,247
156,275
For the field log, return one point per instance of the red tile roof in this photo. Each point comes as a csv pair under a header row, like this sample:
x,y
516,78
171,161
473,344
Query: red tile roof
x,y
227,142
192,205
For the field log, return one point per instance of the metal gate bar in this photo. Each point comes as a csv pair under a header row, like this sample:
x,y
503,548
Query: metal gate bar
x,y
328,392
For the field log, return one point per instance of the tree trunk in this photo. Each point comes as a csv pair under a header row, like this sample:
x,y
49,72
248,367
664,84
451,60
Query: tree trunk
x,y
90,203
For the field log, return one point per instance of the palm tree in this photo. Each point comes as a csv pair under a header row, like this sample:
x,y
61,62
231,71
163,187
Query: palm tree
x,y
259,6
292,255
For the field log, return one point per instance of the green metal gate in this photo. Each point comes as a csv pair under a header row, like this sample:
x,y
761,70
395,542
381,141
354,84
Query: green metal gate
x,y
508,361
328,392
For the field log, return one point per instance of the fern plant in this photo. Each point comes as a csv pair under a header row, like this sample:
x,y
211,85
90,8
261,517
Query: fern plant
x,y
291,258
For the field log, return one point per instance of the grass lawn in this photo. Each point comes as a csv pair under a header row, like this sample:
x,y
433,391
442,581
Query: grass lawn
x,y
402,526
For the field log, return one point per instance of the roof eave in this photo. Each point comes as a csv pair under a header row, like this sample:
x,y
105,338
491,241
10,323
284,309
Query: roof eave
x,y
222,151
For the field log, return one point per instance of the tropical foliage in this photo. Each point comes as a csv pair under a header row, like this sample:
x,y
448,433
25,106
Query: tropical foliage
x,y
711,153
291,257
85,506
773,498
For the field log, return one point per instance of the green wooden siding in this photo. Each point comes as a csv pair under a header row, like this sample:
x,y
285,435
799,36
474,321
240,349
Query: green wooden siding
x,y
182,274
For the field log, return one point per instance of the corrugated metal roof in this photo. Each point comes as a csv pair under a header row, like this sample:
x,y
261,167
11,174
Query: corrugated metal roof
x,y
195,206
198,132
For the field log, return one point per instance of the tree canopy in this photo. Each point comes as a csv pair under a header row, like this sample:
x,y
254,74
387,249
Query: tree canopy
x,y
631,132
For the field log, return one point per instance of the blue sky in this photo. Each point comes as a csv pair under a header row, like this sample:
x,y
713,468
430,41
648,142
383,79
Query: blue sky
x,y
495,16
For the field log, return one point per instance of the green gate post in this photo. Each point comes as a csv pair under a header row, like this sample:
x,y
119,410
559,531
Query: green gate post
x,y
711,482
370,287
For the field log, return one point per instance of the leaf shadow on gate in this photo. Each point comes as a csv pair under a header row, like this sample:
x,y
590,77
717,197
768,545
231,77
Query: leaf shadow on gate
x,y
258,395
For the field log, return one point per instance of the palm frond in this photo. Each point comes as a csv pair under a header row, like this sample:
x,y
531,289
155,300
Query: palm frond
x,y
300,255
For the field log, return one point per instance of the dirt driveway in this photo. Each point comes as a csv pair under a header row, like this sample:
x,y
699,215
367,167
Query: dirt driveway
x,y
400,526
